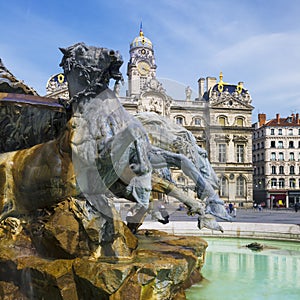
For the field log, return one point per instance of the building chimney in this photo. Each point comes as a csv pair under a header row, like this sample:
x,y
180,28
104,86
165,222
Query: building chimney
x,y
210,82
278,118
297,118
201,83
293,118
262,119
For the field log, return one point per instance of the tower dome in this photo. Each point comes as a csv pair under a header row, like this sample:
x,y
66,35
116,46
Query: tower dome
x,y
141,41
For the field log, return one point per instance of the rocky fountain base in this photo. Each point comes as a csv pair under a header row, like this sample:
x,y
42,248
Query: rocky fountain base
x,y
56,257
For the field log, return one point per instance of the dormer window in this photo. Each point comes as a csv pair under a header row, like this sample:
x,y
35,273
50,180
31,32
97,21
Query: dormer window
x,y
179,120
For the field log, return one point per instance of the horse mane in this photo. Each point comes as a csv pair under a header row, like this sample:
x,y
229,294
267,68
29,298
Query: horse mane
x,y
95,66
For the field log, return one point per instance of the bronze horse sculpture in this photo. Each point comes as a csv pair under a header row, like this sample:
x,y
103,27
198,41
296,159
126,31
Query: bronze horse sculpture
x,y
43,175
102,149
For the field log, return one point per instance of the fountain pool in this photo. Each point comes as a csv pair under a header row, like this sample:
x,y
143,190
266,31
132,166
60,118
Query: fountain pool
x,y
233,271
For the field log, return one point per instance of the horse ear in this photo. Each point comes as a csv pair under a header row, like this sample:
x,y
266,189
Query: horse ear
x,y
63,50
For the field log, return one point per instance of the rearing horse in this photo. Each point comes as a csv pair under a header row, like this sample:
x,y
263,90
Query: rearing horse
x,y
101,145
103,148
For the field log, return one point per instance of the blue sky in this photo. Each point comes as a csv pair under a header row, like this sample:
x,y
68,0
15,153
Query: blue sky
x,y
257,41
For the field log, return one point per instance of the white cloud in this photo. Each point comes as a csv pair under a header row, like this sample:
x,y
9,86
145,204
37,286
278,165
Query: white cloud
x,y
259,45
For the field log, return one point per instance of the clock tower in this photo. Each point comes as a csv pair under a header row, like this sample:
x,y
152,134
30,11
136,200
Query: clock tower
x,y
141,66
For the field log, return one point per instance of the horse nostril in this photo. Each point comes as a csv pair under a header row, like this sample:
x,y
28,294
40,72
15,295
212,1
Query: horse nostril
x,y
133,166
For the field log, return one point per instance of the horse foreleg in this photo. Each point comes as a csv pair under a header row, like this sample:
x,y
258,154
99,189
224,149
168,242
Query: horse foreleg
x,y
195,207
166,187
160,158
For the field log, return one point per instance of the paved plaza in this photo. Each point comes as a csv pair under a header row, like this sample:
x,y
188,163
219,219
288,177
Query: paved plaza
x,y
270,216
275,216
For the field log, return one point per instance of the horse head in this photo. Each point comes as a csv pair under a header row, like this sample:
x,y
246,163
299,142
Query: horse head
x,y
88,69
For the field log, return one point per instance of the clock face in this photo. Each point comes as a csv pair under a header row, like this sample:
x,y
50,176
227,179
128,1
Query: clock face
x,y
143,67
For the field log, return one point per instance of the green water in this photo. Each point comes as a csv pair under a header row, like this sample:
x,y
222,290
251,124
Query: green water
x,y
232,271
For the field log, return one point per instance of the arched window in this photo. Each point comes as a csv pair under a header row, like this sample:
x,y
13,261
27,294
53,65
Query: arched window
x,y
224,187
222,121
179,120
281,169
272,131
291,144
273,182
281,182
239,121
292,170
273,169
292,183
240,186
197,121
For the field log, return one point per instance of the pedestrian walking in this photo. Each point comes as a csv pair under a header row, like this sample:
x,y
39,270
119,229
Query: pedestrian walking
x,y
164,214
234,211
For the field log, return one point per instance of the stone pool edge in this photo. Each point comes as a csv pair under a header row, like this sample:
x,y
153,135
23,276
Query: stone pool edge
x,y
284,232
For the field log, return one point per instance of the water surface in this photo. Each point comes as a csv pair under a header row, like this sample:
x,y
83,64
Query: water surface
x,y
233,271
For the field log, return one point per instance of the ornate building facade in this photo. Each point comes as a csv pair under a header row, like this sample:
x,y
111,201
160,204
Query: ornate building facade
x,y
219,117
276,156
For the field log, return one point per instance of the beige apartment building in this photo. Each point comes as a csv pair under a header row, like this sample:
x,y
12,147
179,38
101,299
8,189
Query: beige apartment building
x,y
276,157
219,116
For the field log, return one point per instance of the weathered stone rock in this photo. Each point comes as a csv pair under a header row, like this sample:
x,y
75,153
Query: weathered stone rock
x,y
100,277
160,268
69,232
8,291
